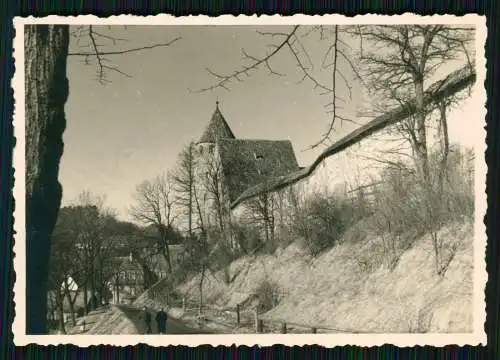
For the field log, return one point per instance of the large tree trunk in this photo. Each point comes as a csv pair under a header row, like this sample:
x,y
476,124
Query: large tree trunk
x,y
445,145
46,50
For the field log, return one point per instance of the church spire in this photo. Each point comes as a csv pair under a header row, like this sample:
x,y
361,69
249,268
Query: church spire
x,y
217,128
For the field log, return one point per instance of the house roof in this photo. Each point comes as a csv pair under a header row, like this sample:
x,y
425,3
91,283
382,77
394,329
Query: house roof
x,y
246,163
217,128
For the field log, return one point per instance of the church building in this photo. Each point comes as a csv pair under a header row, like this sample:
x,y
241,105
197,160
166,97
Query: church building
x,y
227,166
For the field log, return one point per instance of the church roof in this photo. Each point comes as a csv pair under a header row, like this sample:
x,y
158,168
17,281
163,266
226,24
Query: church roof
x,y
246,163
217,128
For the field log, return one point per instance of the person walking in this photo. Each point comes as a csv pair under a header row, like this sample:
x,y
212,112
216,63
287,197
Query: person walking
x,y
147,320
161,321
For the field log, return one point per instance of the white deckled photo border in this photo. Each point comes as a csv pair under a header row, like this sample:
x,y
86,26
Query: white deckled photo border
x,y
477,337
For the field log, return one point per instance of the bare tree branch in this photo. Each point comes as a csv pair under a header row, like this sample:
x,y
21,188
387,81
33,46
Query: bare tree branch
x,y
245,70
292,41
96,51
120,52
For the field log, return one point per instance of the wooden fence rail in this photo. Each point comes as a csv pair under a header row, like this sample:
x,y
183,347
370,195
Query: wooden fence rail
x,y
258,321
285,326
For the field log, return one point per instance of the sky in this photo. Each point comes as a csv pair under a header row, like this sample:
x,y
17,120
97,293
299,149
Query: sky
x,y
133,128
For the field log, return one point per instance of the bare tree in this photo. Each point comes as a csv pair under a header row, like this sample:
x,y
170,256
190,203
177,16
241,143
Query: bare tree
x,y
398,62
88,220
198,246
212,193
183,184
261,210
63,265
154,205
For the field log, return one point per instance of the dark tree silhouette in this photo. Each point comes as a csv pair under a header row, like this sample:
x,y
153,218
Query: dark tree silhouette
x,y
46,50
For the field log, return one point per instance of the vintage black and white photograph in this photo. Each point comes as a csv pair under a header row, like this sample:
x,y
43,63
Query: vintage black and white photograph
x,y
261,179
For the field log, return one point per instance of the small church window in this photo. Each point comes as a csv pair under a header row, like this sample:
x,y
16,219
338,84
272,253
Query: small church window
x,y
210,149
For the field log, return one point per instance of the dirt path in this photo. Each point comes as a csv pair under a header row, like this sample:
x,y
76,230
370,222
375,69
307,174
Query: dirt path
x,y
174,326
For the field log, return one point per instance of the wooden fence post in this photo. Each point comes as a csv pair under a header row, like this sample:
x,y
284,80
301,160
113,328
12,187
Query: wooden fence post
x,y
238,314
260,324
314,330
283,328
256,317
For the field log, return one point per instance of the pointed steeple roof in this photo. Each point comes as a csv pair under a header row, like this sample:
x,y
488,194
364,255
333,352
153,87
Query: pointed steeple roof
x,y
217,128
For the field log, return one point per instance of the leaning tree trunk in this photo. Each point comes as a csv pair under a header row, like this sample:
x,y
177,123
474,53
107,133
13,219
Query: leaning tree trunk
x,y
445,146
420,145
46,50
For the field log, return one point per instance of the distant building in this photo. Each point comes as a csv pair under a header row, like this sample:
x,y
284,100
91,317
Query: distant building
x,y
129,280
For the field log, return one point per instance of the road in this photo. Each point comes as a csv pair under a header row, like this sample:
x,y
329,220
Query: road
x,y
174,326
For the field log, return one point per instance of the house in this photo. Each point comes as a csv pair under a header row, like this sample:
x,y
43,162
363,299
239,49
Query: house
x,y
227,166
129,280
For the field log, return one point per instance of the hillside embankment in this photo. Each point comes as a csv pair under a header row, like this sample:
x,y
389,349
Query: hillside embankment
x,y
351,287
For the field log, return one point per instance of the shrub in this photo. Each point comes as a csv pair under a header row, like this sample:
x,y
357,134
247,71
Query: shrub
x,y
221,255
322,221
247,237
406,208
268,295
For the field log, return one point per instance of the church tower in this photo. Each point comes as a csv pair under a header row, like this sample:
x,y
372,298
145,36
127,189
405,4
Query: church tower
x,y
216,129
208,169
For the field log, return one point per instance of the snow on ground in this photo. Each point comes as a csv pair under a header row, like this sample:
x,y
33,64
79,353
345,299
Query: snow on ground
x,y
107,320
349,287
